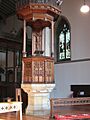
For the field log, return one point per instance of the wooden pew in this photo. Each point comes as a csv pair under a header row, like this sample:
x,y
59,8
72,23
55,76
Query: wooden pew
x,y
56,103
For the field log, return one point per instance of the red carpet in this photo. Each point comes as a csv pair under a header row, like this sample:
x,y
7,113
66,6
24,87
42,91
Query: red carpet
x,y
72,117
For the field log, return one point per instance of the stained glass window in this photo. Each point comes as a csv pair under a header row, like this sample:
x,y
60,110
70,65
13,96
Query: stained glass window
x,y
63,33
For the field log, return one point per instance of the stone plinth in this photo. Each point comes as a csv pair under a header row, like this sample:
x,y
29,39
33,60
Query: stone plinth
x,y
38,98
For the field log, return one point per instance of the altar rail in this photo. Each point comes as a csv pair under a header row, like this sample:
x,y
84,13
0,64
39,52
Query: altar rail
x,y
11,107
55,103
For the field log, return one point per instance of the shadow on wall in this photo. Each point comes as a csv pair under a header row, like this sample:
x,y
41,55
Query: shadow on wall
x,y
24,100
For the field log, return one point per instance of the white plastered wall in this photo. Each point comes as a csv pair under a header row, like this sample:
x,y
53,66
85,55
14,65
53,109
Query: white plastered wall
x,y
74,73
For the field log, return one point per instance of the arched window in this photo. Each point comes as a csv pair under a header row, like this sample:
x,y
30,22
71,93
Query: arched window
x,y
63,38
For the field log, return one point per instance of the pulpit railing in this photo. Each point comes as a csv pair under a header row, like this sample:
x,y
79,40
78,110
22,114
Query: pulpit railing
x,y
56,103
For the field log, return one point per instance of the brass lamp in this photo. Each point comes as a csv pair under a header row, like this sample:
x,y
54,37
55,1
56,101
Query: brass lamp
x,y
84,8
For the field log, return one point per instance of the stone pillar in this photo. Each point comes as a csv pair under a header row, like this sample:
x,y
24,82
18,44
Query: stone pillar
x,y
38,98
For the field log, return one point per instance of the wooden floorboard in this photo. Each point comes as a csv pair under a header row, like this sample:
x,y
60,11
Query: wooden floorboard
x,y
12,116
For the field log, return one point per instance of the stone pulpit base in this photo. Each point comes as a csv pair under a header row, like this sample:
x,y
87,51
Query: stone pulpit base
x,y
38,98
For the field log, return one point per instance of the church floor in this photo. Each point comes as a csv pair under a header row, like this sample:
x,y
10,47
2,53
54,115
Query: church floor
x,y
12,116
64,110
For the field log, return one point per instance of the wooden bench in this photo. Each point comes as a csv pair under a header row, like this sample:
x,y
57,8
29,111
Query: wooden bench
x,y
10,107
56,103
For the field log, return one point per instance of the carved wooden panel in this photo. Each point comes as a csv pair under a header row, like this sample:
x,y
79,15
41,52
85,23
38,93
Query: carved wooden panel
x,y
49,71
38,70
27,71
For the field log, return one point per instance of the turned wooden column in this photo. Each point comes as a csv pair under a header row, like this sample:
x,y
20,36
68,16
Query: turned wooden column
x,y
52,44
24,40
